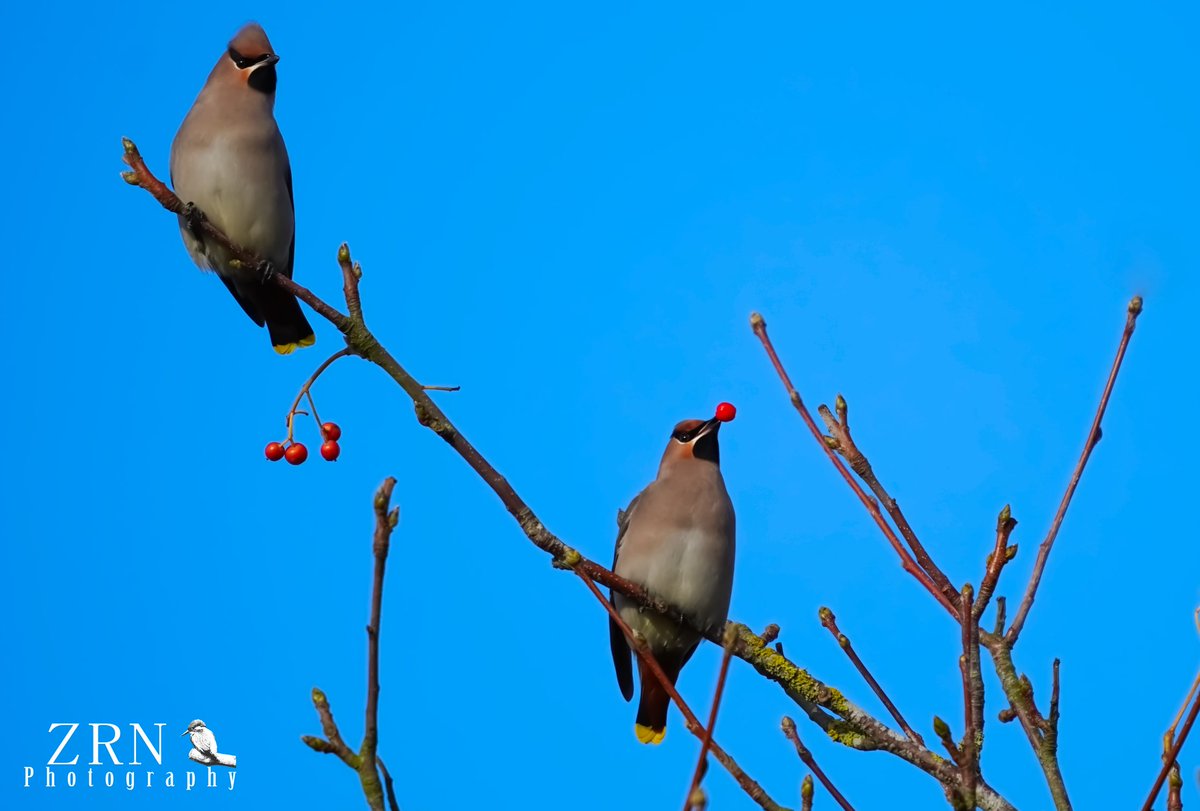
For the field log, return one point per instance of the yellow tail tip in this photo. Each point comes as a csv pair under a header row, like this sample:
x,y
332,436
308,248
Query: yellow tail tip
x,y
287,349
647,735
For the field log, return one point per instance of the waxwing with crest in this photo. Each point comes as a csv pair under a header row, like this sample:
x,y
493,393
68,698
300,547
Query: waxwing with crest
x,y
228,160
676,540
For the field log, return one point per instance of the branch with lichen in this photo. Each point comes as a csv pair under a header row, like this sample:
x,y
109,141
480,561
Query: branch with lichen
x,y
843,721
748,784
852,726
365,762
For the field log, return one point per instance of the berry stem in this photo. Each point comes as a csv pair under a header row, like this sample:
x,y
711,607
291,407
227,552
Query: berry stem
x,y
305,391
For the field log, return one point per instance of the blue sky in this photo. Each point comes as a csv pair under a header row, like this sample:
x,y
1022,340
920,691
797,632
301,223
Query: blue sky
x,y
571,212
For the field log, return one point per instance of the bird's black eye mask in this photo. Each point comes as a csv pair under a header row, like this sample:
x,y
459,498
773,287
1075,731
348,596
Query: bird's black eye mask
x,y
244,62
685,436
263,79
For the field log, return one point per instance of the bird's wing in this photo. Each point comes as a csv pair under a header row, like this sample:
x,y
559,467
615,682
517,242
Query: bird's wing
x,y
622,656
623,518
292,202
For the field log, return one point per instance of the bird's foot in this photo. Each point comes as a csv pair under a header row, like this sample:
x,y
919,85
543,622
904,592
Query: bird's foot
x,y
193,215
265,269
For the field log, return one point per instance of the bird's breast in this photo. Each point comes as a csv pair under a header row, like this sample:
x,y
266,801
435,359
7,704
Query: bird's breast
x,y
240,182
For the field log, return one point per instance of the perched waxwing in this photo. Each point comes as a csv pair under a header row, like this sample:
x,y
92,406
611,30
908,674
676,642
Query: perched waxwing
x,y
676,540
229,161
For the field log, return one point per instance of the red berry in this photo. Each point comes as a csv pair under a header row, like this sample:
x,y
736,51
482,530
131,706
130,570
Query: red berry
x,y
274,451
726,412
330,450
296,453
331,431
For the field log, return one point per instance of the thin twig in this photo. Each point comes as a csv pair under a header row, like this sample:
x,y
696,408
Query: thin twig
x,y
906,560
856,728
706,741
843,443
748,784
305,390
387,784
385,521
1001,554
829,621
789,729
365,761
1093,437
972,681
1172,755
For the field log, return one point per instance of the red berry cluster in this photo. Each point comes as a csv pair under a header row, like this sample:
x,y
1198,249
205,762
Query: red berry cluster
x,y
296,453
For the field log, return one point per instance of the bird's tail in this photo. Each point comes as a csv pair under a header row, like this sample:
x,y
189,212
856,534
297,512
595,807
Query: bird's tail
x,y
651,724
286,323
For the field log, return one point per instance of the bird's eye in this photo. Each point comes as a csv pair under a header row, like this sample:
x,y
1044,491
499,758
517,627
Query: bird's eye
x,y
239,60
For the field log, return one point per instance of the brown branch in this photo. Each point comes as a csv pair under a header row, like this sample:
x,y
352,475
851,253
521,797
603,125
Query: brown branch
x,y
906,560
748,784
841,440
856,728
1001,554
1093,437
706,741
142,177
366,762
829,621
385,521
1170,757
972,680
789,729
332,743
387,784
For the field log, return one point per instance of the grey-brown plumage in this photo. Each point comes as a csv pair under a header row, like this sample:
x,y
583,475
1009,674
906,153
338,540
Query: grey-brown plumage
x,y
229,160
676,539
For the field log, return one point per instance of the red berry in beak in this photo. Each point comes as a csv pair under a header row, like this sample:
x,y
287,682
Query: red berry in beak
x,y
330,450
331,431
274,451
296,453
726,412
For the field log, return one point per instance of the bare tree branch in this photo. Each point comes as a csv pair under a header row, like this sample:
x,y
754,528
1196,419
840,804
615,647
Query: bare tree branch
x,y
829,622
752,788
706,741
789,729
1094,433
840,440
365,761
1171,755
759,325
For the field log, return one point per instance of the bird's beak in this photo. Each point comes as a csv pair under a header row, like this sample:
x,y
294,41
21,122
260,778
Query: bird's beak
x,y
712,426
186,731
270,60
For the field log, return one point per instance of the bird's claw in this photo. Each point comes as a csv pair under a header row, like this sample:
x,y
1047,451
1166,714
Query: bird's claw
x,y
193,215
265,269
